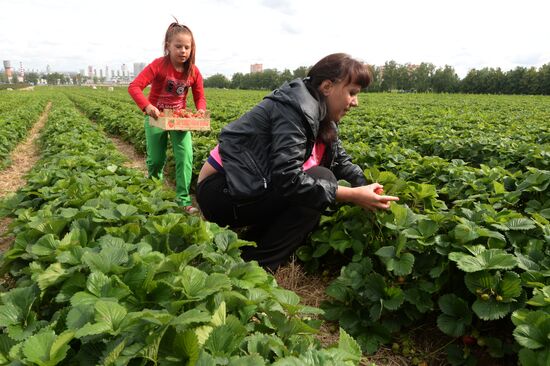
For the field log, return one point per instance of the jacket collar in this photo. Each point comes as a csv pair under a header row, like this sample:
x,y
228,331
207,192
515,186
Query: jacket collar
x,y
298,96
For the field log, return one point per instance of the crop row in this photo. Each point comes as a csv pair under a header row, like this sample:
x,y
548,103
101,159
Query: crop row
x,y
18,113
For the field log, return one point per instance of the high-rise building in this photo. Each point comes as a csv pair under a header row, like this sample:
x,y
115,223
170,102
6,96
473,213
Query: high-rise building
x,y
90,71
138,67
256,68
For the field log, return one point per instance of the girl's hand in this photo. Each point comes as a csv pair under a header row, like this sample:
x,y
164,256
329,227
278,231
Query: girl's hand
x,y
152,111
366,197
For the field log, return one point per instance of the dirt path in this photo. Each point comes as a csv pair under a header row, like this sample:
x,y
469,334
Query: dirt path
x,y
23,158
135,159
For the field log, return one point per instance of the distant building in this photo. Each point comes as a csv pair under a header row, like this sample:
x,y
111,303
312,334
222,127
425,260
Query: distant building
x,y
138,67
412,67
90,72
8,69
21,76
124,70
256,68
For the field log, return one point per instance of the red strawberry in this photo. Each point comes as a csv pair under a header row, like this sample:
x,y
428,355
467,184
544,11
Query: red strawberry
x,y
379,191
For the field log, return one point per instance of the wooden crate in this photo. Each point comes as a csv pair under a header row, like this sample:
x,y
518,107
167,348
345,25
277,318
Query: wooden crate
x,y
168,122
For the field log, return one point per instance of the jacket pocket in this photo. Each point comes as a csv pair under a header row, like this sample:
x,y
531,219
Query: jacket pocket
x,y
252,163
245,179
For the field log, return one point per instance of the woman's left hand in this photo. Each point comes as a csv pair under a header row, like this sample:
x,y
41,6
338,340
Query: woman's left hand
x,y
366,197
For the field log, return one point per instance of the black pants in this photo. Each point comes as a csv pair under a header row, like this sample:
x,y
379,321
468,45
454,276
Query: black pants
x,y
276,225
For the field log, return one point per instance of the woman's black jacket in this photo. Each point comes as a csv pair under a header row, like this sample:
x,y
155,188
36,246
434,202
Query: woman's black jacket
x,y
266,148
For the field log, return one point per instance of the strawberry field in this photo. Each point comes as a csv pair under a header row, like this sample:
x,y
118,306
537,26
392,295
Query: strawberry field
x,y
102,268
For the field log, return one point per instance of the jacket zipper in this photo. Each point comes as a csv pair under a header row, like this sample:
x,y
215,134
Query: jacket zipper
x,y
264,180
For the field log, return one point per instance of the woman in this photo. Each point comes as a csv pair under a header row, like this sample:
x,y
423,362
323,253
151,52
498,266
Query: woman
x,y
276,169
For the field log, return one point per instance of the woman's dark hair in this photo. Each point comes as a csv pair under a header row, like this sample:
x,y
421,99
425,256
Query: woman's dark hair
x,y
340,67
336,67
176,28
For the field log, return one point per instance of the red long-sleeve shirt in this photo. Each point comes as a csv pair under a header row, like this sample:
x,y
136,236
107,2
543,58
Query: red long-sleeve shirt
x,y
168,87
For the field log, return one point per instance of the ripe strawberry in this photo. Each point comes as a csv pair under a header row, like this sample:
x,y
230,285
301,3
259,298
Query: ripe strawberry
x,y
468,340
379,191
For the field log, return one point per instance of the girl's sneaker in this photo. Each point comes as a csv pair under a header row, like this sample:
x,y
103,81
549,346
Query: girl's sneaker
x,y
190,209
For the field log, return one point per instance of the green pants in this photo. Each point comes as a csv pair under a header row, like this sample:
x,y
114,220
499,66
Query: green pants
x,y
182,146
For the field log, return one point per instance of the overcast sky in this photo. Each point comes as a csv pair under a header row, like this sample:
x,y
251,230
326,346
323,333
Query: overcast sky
x,y
69,35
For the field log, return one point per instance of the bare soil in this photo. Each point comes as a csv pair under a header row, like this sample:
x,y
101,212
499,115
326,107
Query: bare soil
x,y
429,347
23,158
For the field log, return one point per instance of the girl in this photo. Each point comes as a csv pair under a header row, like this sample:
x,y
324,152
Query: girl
x,y
277,167
170,78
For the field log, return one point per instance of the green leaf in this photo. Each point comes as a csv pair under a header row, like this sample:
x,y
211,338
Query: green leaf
x,y
403,217
491,309
427,228
48,225
482,280
96,281
186,345
386,252
350,347
286,296
532,328
521,224
189,317
466,232
393,298
488,259
114,353
93,329
126,211
265,345
60,346
401,266
18,303
10,314
45,246
224,340
52,275
45,348
455,317
110,312
79,315
193,281
510,285
6,344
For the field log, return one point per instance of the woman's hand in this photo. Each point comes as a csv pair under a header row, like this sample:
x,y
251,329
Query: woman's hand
x,y
152,111
365,196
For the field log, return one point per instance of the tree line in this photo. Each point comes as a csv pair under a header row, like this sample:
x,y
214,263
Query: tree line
x,y
422,78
